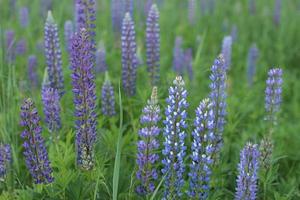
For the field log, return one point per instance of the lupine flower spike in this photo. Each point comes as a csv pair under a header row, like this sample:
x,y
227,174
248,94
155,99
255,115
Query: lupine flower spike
x,y
32,71
21,47
277,12
116,15
252,58
84,99
129,56
188,61
192,11
35,152
218,99
178,56
108,98
202,149
69,32
5,160
248,173
53,55
128,7
147,146
226,51
101,65
153,44
24,16
174,133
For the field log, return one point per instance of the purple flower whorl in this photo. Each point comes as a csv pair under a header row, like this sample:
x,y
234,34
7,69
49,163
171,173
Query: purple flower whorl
x,y
129,57
248,173
24,16
101,65
178,56
147,146
153,44
108,99
202,149
5,160
53,55
218,99
226,51
84,99
69,32
35,152
252,58
33,77
174,133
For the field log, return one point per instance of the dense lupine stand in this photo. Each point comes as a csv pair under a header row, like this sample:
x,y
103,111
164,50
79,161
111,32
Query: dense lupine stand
x,y
165,160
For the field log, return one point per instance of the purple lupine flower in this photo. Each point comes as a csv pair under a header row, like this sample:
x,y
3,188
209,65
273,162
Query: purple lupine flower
x,y
148,5
188,58
129,57
45,6
101,65
21,47
33,77
147,146
251,65
116,15
248,173
273,94
129,6
252,6
277,12
108,98
24,16
35,152
10,45
51,108
234,33
192,11
86,18
203,7
202,149
218,99
178,56
84,99
226,51
5,160
175,133
153,44
69,31
53,55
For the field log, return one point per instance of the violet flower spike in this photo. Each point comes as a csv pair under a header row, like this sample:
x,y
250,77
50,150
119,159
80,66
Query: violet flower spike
x,y
129,6
202,151
10,45
129,56
147,145
101,65
53,55
248,173
69,32
218,99
178,56
33,77
5,160
174,146
108,98
35,152
84,99
24,16
251,65
277,12
226,51
153,45
192,11
188,57
116,15
21,47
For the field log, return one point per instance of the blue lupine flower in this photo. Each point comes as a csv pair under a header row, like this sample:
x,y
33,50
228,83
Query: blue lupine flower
x,y
188,61
129,56
277,12
178,56
128,6
21,47
108,98
101,65
153,44
147,146
218,99
84,99
248,173
24,16
174,133
202,149
192,11
252,58
226,51
116,15
5,160
35,152
69,32
32,71
53,55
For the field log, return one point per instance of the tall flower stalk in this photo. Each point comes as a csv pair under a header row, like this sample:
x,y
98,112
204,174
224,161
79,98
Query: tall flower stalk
x,y
53,55
24,16
192,11
33,77
202,150
84,99
69,32
147,146
153,44
226,51
5,160
178,56
174,132
116,15
251,65
218,100
101,65
248,173
129,56
35,152
108,98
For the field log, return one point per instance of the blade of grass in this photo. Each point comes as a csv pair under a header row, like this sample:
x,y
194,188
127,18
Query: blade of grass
x,y
158,187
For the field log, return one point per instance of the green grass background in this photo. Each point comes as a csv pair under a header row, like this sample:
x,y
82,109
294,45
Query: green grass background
x,y
278,47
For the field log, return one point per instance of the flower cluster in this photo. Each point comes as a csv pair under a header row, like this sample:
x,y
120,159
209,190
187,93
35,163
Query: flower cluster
x,y
226,51
153,44
252,58
5,159
24,16
192,11
178,56
53,55
68,32
129,57
188,60
277,12
35,152
21,47
248,173
218,99
32,71
101,65
174,133
84,99
108,99
116,15
202,149
148,145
